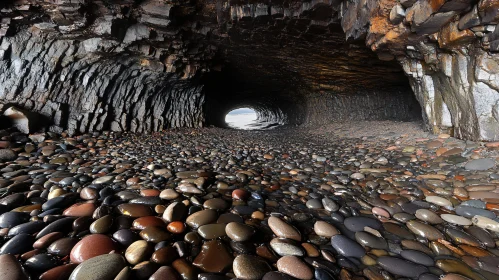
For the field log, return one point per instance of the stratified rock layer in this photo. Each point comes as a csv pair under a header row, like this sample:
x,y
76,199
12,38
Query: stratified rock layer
x,y
148,65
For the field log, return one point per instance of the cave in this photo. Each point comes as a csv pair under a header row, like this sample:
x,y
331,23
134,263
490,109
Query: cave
x,y
148,65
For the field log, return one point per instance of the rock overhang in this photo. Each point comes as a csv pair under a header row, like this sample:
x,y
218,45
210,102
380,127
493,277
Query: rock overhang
x,y
300,61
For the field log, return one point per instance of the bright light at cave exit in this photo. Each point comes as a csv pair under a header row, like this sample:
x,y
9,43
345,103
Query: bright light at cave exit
x,y
242,118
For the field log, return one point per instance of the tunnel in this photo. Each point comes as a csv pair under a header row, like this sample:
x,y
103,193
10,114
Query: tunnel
x,y
147,65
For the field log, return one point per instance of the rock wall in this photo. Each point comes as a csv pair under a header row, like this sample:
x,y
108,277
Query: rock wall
x,y
142,65
81,90
448,49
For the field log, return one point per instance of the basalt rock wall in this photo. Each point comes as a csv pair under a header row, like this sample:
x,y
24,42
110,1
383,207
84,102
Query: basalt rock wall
x,y
154,64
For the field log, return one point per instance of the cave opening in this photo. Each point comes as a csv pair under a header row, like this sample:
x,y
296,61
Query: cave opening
x,y
242,118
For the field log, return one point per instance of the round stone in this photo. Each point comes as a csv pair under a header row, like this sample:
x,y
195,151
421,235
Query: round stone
x,y
91,246
294,267
239,232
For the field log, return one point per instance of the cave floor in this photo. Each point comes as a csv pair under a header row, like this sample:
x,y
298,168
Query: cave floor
x,y
359,200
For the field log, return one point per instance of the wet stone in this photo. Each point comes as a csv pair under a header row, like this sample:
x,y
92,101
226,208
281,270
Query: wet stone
x,y
250,267
214,257
99,268
401,267
347,247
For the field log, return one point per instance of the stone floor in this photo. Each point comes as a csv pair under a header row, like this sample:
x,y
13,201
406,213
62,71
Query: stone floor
x,y
360,200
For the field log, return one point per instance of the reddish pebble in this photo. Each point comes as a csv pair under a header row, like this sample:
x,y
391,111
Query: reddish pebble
x,y
91,246
380,212
149,192
143,222
176,227
240,194
48,239
80,210
59,272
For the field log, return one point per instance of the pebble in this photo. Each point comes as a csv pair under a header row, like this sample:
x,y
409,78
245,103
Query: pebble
x,y
11,269
239,232
347,247
104,267
455,219
283,229
480,164
324,229
181,205
201,218
91,246
401,267
294,267
249,267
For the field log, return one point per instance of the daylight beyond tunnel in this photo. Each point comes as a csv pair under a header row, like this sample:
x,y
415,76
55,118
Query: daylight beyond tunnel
x,y
314,78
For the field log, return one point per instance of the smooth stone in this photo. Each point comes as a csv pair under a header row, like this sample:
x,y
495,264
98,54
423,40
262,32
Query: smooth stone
x,y
347,247
18,244
481,235
62,247
135,210
137,252
103,267
283,229
439,201
201,218
274,275
470,212
485,223
175,212
41,263
59,272
103,180
10,268
401,267
212,231
169,194
215,204
80,210
249,267
185,269
165,255
29,227
91,246
239,232
48,239
61,225
294,267
424,230
417,257
125,237
330,205
454,219
480,164
214,257
355,224
286,247
11,219
165,273
428,216
155,234
322,228
102,225
368,240
314,204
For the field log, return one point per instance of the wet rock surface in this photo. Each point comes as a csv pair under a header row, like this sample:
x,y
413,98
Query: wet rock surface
x,y
225,204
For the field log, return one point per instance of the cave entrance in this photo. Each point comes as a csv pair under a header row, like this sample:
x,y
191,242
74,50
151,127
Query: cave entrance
x,y
242,118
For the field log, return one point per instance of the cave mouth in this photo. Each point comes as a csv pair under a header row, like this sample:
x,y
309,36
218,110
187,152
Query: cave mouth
x,y
248,118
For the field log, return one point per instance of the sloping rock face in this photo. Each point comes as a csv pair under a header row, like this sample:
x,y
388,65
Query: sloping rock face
x,y
153,64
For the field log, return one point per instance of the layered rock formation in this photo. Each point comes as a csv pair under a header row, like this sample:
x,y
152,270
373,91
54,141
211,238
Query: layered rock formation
x,y
154,64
